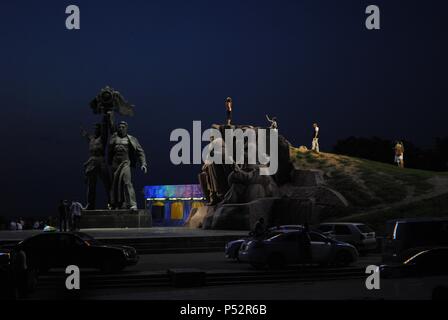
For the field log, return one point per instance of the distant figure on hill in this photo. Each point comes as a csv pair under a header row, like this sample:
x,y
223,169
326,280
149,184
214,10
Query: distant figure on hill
x,y
273,121
315,142
399,154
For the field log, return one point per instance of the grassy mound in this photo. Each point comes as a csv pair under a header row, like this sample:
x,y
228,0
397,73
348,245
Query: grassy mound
x,y
378,191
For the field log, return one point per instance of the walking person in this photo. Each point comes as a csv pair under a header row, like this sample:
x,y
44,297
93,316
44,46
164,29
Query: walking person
x,y
315,142
63,215
75,212
399,154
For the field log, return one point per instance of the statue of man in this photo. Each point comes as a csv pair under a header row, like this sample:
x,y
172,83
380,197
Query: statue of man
x,y
124,152
95,167
229,109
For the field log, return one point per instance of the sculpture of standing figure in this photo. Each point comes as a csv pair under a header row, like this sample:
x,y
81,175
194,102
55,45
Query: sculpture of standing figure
x,y
273,122
229,107
124,152
95,167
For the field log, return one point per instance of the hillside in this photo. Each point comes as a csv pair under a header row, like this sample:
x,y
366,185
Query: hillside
x,y
378,191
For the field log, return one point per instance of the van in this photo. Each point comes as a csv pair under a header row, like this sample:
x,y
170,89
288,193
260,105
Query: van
x,y
405,236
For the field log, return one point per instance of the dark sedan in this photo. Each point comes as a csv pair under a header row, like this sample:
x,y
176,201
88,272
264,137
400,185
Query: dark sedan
x,y
232,248
423,262
61,249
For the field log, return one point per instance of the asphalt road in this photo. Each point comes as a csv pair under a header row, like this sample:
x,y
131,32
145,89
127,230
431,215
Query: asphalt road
x,y
210,261
341,289
207,261
347,289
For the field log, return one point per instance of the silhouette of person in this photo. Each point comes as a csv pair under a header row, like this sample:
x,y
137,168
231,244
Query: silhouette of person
x,y
399,154
63,215
229,109
315,141
259,228
75,212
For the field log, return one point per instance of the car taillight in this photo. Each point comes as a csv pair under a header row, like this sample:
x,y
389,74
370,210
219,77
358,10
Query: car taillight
x,y
87,243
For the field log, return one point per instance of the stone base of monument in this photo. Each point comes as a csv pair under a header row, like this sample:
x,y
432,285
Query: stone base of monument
x,y
275,211
93,219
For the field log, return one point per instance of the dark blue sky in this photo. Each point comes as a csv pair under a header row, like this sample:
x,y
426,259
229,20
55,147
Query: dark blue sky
x,y
302,61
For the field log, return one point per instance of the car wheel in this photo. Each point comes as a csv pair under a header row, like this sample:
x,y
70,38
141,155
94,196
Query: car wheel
x,y
343,258
276,261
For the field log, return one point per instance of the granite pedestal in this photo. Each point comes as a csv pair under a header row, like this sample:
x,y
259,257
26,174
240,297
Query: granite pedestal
x,y
93,219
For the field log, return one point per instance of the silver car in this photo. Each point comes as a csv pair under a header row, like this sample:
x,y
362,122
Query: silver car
x,y
357,234
290,247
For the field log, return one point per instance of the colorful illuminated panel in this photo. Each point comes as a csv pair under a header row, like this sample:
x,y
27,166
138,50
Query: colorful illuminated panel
x,y
173,191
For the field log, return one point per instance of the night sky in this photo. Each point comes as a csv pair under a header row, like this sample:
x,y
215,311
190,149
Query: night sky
x,y
177,61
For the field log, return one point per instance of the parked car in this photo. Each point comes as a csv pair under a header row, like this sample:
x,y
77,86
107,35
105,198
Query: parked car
x,y
61,249
232,247
286,248
422,276
4,257
357,234
16,279
430,262
404,236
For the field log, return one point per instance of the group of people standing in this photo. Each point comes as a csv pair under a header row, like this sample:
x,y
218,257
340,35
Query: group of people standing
x,y
398,149
70,215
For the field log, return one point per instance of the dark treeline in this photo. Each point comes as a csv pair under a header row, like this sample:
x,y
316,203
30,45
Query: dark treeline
x,y
377,149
